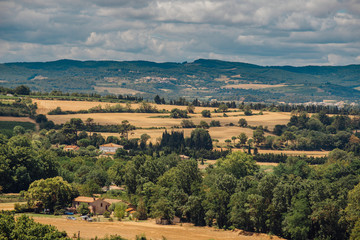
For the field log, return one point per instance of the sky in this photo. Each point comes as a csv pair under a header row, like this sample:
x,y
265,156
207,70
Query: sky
x,y
264,32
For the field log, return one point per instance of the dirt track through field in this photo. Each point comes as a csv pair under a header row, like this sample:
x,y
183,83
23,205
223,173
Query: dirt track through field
x,y
152,230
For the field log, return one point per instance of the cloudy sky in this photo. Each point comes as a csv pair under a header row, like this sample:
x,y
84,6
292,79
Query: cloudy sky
x,y
265,32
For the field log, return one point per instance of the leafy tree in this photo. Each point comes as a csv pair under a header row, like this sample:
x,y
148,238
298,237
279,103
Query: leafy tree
x,y
296,224
26,228
203,124
124,128
200,139
187,124
247,111
215,123
206,113
119,211
69,132
242,138
223,108
157,99
238,164
89,123
141,210
258,136
144,137
163,209
52,193
19,130
190,108
40,118
83,209
22,90
279,129
242,122
177,113
352,209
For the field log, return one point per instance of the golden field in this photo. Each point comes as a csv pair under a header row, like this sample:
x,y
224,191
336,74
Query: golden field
x,y
129,230
151,120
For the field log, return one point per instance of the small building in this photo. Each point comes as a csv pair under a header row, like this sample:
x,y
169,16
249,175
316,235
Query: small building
x,y
110,148
96,205
71,148
184,157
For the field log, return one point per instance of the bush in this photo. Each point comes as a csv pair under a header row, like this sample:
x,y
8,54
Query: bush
x,y
83,209
177,113
106,214
206,113
59,212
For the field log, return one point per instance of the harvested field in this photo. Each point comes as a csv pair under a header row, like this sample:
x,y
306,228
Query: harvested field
x,y
219,133
8,206
152,230
44,106
147,120
252,86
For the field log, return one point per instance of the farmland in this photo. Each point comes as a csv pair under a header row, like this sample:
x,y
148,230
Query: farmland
x,y
129,229
147,120
154,124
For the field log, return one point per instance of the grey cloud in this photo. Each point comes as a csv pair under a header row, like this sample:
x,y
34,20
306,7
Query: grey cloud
x,y
258,31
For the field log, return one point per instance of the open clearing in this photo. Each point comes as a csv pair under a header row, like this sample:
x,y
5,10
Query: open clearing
x,y
252,86
117,90
129,230
8,206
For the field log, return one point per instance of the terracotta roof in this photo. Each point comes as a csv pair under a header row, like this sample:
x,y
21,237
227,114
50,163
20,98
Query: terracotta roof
x,y
71,147
110,145
129,209
111,201
85,199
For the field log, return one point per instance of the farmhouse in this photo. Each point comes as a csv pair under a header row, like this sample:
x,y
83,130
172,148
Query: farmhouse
x,y
96,205
110,148
71,148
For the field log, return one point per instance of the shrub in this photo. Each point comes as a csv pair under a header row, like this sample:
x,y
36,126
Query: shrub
x,y
106,214
206,113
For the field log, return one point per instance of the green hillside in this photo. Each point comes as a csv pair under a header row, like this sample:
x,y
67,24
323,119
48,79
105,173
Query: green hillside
x,y
204,79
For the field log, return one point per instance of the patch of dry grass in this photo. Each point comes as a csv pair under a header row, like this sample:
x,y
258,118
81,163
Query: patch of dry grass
x,y
129,230
252,86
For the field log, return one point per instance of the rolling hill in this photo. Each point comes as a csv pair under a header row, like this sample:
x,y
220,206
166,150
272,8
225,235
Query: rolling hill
x,y
203,79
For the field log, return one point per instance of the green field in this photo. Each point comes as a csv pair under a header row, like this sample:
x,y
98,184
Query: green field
x,y
9,125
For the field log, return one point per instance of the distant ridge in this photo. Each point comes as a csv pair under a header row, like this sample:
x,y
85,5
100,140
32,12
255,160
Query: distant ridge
x,y
204,79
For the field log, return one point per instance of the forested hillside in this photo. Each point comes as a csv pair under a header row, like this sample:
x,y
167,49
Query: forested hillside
x,y
205,79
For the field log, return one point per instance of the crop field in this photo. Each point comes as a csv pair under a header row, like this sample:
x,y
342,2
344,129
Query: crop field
x,y
148,120
11,122
8,206
252,86
129,230
44,106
